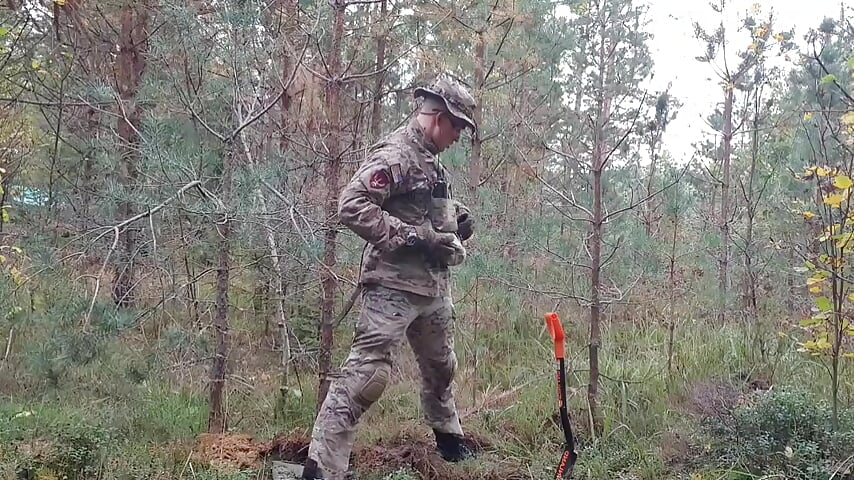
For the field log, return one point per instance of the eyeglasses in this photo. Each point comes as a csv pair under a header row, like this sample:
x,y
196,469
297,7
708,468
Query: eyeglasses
x,y
459,125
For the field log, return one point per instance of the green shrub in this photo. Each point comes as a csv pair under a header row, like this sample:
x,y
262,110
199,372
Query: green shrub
x,y
48,445
781,432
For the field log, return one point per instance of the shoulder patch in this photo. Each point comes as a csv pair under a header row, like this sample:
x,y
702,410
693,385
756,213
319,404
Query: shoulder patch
x,y
396,172
379,180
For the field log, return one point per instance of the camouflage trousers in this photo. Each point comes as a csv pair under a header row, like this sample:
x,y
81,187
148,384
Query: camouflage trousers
x,y
387,316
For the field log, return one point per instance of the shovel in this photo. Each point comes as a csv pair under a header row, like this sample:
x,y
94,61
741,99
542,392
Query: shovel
x,y
569,456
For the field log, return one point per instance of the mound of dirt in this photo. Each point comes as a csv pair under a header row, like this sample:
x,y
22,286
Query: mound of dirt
x,y
228,452
405,450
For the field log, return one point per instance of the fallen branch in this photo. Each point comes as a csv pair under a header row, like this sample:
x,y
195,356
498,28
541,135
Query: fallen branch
x,y
8,345
490,401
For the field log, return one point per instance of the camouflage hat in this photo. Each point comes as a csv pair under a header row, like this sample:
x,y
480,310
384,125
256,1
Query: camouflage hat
x,y
456,97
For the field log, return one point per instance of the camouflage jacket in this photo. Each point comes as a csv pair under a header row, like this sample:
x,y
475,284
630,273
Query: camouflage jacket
x,y
391,189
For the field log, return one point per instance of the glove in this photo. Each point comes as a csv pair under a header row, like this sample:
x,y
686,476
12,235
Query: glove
x,y
450,253
426,236
465,221
443,248
465,226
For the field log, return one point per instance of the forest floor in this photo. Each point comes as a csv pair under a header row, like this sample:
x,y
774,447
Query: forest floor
x,y
126,399
418,455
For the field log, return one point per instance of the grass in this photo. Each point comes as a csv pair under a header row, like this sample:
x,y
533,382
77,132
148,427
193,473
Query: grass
x,y
131,402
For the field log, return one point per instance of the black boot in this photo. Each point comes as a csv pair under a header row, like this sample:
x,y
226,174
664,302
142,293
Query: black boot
x,y
310,471
452,448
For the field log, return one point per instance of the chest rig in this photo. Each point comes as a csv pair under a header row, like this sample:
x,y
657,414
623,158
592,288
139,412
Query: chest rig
x,y
441,210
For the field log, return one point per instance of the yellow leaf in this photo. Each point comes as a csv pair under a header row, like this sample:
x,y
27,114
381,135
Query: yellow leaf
x,y
843,241
61,3
834,200
821,172
848,355
842,182
851,297
808,215
779,37
2,259
848,119
35,64
808,116
815,289
16,276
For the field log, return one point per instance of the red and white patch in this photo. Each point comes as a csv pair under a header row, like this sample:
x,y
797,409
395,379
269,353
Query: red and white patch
x,y
379,179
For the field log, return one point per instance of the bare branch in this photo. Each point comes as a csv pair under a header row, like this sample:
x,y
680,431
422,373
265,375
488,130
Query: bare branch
x,y
821,64
293,209
648,197
563,196
116,229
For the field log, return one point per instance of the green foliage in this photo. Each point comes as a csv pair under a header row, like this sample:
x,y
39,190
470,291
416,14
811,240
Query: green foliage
x,y
781,432
401,474
51,442
162,415
620,455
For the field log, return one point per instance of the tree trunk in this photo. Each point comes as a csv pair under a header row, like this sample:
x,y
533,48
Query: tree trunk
x,y
476,142
377,102
749,300
289,12
189,271
277,279
723,259
595,305
671,323
836,352
88,181
595,241
217,421
333,165
133,43
649,206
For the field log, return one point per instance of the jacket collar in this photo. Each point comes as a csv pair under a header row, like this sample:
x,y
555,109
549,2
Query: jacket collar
x,y
415,132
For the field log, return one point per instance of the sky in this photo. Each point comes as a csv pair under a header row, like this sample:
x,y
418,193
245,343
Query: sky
x,y
674,49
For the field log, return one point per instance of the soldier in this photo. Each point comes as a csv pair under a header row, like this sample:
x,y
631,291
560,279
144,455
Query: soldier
x,y
398,202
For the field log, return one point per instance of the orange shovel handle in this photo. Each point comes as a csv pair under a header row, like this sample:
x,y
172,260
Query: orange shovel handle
x,y
556,332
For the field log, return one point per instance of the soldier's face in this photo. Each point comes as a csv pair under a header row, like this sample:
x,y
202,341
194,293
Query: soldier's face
x,y
447,130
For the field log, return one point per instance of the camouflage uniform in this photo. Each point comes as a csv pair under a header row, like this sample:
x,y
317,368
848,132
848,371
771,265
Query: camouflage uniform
x,y
406,288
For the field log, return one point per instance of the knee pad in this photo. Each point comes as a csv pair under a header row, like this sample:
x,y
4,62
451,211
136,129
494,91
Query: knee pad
x,y
371,390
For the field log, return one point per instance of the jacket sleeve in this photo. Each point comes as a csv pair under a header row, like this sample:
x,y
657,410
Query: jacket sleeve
x,y
360,204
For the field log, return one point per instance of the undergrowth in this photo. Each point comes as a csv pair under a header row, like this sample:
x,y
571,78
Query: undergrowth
x,y
126,396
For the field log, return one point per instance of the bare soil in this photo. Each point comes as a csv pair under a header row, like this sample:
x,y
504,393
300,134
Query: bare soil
x,y
415,452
